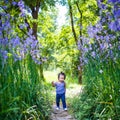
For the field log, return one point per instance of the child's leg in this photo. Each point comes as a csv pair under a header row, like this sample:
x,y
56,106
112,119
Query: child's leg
x,y
58,100
63,100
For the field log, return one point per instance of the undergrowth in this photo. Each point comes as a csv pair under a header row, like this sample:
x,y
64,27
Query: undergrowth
x,y
100,98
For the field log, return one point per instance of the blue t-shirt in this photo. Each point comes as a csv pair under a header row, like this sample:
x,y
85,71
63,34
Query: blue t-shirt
x,y
60,87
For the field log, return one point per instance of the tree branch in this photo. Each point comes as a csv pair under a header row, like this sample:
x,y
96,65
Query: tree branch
x,y
72,23
28,27
80,12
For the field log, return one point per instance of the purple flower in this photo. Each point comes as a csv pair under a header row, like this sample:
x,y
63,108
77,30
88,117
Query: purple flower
x,y
107,38
85,50
91,32
99,3
15,41
34,44
14,3
93,54
103,6
4,7
26,24
113,26
8,17
5,41
101,46
113,1
30,32
4,54
111,53
21,4
22,14
86,61
97,37
79,45
90,47
78,67
101,37
21,26
119,47
117,13
38,62
21,7
103,20
17,47
1,33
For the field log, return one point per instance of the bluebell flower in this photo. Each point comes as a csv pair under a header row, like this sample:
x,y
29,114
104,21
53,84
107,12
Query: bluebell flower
x,y
93,54
22,26
14,3
4,54
113,26
117,13
112,1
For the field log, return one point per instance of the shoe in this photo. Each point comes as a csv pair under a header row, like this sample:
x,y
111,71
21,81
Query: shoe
x,y
65,109
57,108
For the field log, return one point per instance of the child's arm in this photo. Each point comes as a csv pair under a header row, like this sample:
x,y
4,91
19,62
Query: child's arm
x,y
53,83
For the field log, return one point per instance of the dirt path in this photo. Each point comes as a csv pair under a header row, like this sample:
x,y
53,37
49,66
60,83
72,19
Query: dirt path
x,y
61,114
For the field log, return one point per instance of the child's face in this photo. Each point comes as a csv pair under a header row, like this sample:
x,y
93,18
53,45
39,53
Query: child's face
x,y
61,78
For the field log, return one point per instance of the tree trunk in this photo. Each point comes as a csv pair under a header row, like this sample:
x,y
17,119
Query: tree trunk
x,y
75,37
80,12
80,76
72,23
80,62
41,72
35,11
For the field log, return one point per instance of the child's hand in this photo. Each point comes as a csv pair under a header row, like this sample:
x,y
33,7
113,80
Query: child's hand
x,y
53,83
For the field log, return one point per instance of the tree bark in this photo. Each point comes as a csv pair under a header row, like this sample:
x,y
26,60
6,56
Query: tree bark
x,y
75,37
35,11
72,24
80,12
41,72
80,32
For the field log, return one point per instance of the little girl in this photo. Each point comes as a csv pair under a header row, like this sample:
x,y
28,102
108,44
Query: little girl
x,y
60,90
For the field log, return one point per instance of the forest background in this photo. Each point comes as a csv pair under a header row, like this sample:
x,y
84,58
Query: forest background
x,y
34,48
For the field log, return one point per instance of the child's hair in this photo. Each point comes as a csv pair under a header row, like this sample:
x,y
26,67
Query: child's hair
x,y
61,73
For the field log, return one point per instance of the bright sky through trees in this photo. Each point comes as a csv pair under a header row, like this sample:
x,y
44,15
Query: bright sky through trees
x,y
61,19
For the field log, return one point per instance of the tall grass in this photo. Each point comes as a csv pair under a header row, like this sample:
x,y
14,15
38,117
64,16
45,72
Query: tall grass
x,y
22,95
100,98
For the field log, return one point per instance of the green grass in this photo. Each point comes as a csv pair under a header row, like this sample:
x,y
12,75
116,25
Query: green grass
x,y
22,92
100,97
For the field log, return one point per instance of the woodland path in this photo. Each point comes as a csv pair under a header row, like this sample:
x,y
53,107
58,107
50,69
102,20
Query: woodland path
x,y
61,114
